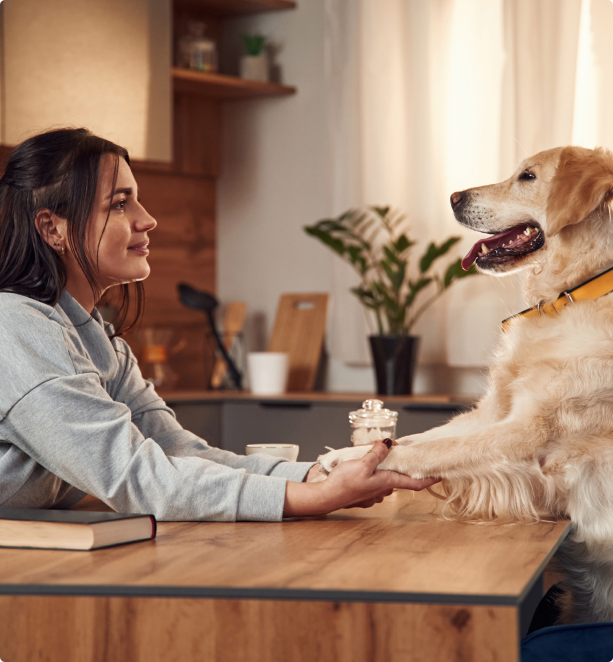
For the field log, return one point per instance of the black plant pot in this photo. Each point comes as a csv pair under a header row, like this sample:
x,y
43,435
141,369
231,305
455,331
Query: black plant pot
x,y
394,359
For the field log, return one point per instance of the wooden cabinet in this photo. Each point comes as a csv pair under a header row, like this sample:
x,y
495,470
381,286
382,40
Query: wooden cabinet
x,y
312,423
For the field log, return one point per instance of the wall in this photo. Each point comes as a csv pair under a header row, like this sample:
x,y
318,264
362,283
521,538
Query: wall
x,y
103,65
273,177
274,180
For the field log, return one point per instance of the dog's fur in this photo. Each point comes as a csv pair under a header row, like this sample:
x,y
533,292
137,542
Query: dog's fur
x,y
539,444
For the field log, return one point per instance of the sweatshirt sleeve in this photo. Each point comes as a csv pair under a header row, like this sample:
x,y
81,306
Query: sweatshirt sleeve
x,y
55,408
74,429
156,420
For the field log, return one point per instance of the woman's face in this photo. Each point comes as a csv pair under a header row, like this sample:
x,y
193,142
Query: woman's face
x,y
121,246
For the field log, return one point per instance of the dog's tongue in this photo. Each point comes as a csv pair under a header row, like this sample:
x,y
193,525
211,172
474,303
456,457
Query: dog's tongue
x,y
491,242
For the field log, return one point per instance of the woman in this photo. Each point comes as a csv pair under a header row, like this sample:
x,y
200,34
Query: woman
x,y
76,415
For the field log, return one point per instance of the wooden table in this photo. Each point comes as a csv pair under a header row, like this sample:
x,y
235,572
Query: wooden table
x,y
395,582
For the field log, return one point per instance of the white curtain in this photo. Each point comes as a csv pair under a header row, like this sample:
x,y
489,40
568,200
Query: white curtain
x,y
427,97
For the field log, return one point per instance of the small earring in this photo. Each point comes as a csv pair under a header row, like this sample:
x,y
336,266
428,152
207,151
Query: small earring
x,y
61,251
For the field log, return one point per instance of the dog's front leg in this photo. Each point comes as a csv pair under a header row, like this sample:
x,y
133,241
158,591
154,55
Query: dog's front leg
x,y
485,414
451,456
459,425
493,473
504,442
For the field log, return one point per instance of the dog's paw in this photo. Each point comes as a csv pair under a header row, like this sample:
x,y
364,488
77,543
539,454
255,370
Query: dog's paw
x,y
328,461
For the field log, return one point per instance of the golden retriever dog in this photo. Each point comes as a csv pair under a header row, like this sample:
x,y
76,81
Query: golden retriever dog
x,y
539,444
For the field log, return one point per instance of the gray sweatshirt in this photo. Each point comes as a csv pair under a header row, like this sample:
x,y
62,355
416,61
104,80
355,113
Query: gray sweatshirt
x,y
77,417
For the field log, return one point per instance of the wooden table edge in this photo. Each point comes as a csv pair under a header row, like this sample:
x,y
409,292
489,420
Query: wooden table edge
x,y
539,571
223,592
262,593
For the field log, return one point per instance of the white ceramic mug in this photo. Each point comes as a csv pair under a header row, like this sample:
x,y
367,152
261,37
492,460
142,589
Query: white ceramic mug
x,y
288,451
267,372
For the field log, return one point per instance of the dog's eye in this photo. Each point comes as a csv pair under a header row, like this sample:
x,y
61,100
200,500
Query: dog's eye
x,y
527,175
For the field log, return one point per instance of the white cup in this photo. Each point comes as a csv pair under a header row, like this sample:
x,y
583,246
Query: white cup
x,y
267,372
288,451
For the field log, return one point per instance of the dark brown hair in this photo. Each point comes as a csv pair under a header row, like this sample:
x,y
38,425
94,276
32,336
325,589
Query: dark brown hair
x,y
56,170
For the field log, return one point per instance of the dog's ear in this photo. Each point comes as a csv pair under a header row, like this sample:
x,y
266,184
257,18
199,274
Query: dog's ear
x,y
583,181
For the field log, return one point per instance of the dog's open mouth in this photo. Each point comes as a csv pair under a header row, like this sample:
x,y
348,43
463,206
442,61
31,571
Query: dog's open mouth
x,y
505,246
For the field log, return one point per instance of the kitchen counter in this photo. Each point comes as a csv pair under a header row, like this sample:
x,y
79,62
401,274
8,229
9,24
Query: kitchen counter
x,y
232,419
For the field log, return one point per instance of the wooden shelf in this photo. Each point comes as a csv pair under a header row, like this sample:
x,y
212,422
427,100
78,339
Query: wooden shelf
x,y
225,88
228,8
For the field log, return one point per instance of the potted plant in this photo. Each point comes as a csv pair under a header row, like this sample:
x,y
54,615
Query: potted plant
x,y
254,65
375,243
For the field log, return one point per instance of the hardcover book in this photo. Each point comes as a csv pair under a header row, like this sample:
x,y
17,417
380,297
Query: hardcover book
x,y
68,529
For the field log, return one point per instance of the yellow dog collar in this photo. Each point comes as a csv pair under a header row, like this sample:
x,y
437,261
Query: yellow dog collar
x,y
592,289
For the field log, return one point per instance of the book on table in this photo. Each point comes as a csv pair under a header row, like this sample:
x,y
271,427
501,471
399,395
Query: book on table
x,y
69,529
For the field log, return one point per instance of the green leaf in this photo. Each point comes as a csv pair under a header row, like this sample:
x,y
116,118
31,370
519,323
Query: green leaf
x,y
333,225
254,43
357,259
382,211
402,243
396,276
366,297
435,252
390,255
335,244
402,270
455,272
414,289
387,267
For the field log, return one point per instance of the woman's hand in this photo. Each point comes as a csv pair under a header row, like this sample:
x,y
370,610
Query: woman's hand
x,y
350,484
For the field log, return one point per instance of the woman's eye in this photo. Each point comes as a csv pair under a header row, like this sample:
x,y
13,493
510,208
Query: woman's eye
x,y
120,204
527,175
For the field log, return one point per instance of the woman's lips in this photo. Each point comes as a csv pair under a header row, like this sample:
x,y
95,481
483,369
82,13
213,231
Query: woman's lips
x,y
140,249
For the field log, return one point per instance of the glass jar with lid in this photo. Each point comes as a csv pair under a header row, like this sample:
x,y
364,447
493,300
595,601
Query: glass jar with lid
x,y
195,51
372,422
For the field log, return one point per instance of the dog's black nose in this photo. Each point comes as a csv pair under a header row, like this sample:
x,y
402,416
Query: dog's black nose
x,y
456,199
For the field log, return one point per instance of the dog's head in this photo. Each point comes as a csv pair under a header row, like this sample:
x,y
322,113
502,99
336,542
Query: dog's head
x,y
532,218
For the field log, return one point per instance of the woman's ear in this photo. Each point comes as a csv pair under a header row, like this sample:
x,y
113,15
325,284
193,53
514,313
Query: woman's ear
x,y
583,181
52,229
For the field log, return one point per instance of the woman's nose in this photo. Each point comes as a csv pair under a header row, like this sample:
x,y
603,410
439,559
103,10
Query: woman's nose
x,y
145,222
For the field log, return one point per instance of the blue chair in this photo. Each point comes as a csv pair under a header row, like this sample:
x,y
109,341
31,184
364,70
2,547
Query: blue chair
x,y
592,642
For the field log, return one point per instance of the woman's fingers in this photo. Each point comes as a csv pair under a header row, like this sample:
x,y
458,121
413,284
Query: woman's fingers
x,y
403,482
377,454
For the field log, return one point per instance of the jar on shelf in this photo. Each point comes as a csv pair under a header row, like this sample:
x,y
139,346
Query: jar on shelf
x,y
195,51
372,422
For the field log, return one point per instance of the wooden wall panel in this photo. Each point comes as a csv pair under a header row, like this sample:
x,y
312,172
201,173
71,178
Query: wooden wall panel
x,y
182,250
182,245
197,135
87,629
